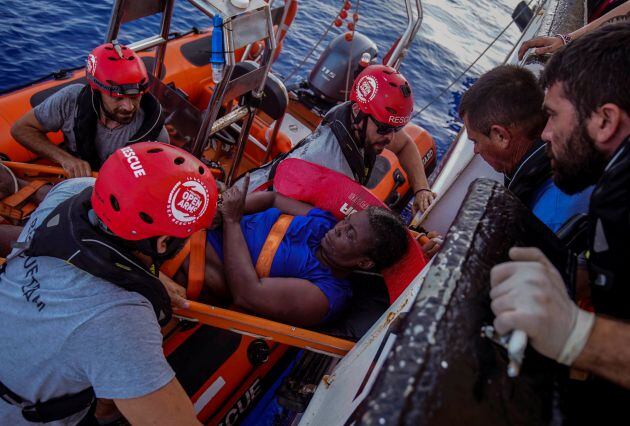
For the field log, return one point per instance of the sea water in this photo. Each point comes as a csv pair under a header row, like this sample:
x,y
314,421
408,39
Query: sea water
x,y
40,36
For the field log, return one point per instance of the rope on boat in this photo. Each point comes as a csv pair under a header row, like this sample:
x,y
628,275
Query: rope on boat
x,y
481,55
349,67
310,52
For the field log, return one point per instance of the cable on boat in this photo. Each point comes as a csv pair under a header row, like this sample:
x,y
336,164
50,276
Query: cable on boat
x,y
354,27
439,95
310,52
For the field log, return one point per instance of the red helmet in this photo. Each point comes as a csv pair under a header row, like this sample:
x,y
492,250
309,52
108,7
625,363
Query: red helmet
x,y
384,94
116,70
150,189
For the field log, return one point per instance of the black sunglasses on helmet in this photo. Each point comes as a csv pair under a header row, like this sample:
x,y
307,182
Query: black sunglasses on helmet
x,y
384,129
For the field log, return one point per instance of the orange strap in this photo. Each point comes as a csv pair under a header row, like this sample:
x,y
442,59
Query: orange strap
x,y
9,206
171,266
9,212
197,265
24,193
195,247
268,252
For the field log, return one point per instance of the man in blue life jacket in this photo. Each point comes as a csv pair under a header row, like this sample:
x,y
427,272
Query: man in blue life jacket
x,y
111,111
81,302
503,115
353,133
588,131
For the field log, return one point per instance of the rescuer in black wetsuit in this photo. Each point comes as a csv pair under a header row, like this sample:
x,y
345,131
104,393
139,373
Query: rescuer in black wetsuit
x,y
588,135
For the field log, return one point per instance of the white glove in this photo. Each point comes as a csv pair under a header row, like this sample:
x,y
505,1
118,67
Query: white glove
x,y
529,294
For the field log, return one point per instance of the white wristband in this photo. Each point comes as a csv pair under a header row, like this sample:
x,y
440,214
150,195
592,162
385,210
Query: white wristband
x,y
578,337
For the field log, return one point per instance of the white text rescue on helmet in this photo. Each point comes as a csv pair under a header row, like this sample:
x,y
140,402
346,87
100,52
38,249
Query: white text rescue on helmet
x,y
134,161
398,120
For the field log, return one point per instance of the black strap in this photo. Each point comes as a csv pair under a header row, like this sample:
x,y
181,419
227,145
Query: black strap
x,y
531,173
361,163
68,234
53,409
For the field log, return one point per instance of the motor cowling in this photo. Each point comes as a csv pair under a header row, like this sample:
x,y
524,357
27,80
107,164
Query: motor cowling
x,y
329,75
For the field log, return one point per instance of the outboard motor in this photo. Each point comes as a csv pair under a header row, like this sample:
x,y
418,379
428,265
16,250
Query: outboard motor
x,y
328,78
522,14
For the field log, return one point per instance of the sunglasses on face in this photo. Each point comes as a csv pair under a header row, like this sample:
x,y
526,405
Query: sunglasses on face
x,y
122,90
384,129
128,89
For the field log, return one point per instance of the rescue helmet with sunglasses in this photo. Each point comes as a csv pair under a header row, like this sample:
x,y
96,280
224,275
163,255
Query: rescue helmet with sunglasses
x,y
384,95
116,70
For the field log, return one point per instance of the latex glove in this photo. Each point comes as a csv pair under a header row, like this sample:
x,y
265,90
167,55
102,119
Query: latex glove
x,y
543,44
529,294
422,201
176,292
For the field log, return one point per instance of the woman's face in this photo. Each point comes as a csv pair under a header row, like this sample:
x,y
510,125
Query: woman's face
x,y
348,243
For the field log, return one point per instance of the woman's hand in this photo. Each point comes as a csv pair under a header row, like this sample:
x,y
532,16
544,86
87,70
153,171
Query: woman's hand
x,y
232,202
541,45
216,222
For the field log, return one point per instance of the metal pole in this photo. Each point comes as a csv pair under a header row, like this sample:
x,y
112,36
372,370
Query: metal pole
x,y
211,113
270,47
240,148
167,14
115,20
413,25
272,139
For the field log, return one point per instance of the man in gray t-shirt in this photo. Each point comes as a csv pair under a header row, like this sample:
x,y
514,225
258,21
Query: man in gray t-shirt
x,y
113,110
65,328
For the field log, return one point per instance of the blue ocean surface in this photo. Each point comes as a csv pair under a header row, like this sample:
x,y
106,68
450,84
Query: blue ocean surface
x,y
41,36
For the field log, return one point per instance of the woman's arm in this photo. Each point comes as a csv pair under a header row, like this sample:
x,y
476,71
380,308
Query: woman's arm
x,y
263,200
292,300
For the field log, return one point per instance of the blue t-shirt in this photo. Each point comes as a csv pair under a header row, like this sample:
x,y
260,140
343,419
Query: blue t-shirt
x,y
64,330
295,257
553,207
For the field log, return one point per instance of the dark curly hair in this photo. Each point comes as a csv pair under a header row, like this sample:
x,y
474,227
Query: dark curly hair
x,y
593,70
390,237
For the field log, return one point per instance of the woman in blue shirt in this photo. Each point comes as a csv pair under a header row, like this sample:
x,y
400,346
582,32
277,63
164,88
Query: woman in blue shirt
x,y
307,283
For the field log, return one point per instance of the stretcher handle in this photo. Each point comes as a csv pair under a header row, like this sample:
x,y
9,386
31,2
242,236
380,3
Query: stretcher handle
x,y
265,329
39,168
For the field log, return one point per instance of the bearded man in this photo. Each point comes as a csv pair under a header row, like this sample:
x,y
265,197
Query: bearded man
x,y
588,134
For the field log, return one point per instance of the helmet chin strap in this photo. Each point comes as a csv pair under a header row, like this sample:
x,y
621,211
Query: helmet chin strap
x,y
148,246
